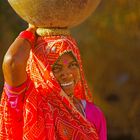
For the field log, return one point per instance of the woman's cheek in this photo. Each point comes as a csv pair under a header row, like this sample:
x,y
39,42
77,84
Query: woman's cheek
x,y
77,76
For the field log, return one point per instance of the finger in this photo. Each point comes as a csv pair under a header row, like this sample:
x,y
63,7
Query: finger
x,y
31,26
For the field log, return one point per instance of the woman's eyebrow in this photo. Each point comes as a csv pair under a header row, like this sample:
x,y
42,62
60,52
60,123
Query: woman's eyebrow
x,y
57,65
73,61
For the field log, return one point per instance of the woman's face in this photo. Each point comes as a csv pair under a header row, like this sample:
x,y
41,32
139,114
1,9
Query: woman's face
x,y
66,71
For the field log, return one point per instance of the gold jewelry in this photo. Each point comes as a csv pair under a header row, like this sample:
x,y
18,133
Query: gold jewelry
x,y
52,31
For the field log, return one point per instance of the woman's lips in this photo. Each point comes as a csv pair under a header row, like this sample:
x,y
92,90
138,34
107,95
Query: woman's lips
x,y
67,84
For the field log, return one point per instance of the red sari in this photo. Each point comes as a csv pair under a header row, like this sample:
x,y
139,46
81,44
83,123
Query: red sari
x,y
46,112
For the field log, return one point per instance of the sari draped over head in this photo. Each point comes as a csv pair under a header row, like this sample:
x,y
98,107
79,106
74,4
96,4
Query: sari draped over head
x,y
47,112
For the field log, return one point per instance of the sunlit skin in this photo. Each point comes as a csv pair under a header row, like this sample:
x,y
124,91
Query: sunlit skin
x,y
15,61
66,71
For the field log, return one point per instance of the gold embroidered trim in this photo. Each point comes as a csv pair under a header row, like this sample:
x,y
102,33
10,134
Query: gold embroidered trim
x,y
15,92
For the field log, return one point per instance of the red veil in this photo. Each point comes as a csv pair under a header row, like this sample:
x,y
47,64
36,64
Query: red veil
x,y
46,112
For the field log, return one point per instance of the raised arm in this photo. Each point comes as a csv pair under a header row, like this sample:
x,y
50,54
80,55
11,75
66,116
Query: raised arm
x,y
14,63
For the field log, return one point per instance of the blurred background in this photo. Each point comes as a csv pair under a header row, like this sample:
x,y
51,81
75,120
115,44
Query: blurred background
x,y
109,41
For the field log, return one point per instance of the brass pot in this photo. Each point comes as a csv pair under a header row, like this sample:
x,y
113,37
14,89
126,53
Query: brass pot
x,y
54,13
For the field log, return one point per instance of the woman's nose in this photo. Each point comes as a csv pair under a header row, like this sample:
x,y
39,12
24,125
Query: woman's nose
x,y
66,74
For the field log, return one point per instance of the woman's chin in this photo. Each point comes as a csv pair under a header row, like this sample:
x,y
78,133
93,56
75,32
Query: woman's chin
x,y
69,91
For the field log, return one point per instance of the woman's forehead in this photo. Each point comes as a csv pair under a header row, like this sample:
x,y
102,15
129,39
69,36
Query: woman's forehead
x,y
65,58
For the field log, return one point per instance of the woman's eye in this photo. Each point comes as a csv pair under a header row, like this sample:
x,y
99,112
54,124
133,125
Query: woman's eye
x,y
73,65
56,69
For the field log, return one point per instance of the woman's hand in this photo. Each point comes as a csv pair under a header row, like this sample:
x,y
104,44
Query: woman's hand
x,y
31,28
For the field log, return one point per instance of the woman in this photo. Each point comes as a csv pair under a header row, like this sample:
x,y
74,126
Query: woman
x,y
45,94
